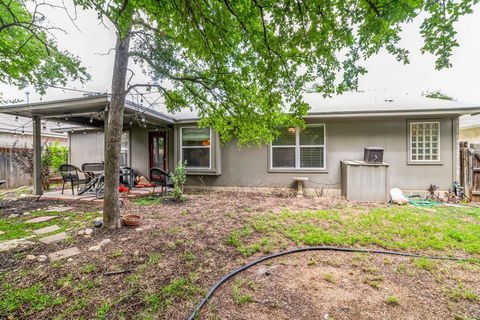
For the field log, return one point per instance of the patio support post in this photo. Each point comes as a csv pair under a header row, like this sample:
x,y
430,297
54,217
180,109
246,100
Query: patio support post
x,y
37,156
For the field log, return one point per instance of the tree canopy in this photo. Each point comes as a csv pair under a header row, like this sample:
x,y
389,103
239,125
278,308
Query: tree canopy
x,y
28,52
245,65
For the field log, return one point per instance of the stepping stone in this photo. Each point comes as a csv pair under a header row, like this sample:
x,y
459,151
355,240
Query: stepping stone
x,y
15,243
41,219
54,238
62,254
59,209
46,230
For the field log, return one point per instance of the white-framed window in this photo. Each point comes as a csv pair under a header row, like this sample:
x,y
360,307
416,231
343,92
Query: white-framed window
x,y
195,147
424,141
299,149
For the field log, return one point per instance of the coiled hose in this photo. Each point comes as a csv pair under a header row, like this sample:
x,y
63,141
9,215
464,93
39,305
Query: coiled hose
x,y
212,289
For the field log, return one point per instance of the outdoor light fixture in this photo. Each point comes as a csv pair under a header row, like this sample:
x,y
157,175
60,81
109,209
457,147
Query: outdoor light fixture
x,y
292,130
44,126
23,131
16,118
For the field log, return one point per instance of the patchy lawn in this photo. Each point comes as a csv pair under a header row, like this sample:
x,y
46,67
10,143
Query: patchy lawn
x,y
183,248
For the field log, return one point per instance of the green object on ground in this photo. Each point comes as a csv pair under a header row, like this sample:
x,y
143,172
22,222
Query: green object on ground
x,y
423,203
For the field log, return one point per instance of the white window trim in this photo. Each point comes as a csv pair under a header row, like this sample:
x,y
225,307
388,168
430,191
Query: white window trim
x,y
410,149
196,147
297,147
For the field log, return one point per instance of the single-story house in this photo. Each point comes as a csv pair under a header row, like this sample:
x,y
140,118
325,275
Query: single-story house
x,y
419,136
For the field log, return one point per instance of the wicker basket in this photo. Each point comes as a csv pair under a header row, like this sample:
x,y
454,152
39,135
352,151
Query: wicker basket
x,y
132,219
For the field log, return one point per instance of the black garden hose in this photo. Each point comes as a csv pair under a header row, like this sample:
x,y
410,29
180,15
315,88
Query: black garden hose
x,y
212,290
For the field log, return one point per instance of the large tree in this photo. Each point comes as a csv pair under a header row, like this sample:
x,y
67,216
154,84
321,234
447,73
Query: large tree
x,y
29,55
244,65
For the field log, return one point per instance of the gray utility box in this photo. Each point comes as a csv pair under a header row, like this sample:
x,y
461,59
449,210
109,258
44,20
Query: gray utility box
x,y
362,181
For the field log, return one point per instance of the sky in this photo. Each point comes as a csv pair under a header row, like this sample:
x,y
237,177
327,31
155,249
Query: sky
x,y
92,41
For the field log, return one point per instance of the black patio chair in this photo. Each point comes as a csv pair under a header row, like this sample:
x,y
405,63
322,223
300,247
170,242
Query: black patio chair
x,y
70,174
160,178
93,169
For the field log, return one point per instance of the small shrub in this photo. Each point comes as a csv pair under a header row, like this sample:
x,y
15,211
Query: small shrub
x,y
179,177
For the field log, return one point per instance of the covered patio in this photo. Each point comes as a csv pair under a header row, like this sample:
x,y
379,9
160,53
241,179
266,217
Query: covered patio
x,y
87,115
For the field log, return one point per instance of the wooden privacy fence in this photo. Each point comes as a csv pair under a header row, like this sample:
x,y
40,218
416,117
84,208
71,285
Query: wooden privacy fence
x,y
470,169
10,172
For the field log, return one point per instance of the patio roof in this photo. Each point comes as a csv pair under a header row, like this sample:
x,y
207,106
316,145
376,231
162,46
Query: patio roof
x,y
84,111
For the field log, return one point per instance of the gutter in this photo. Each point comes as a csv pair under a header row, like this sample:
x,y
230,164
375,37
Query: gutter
x,y
373,113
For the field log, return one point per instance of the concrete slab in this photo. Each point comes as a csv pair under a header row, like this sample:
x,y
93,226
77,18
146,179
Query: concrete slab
x,y
54,238
41,219
46,230
62,254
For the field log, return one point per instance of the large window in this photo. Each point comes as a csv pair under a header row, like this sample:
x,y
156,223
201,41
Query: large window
x,y
196,147
298,148
424,141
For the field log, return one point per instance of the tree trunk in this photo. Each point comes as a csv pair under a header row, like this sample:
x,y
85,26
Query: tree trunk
x,y
111,206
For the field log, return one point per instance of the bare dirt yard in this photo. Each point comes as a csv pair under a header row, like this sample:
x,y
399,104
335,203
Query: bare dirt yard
x,y
164,268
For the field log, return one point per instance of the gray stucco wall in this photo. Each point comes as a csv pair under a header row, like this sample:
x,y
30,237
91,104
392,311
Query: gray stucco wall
x,y
248,166
345,140
86,147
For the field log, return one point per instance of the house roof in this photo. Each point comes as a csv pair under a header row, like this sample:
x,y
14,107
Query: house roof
x,y
352,104
368,104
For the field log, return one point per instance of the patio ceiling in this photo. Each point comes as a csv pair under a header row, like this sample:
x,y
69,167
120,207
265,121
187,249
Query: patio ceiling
x,y
87,112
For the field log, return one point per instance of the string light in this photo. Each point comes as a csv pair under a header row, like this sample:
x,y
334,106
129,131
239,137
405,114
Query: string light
x,y
91,118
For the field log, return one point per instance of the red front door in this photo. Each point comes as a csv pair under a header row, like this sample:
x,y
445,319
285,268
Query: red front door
x,y
157,146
